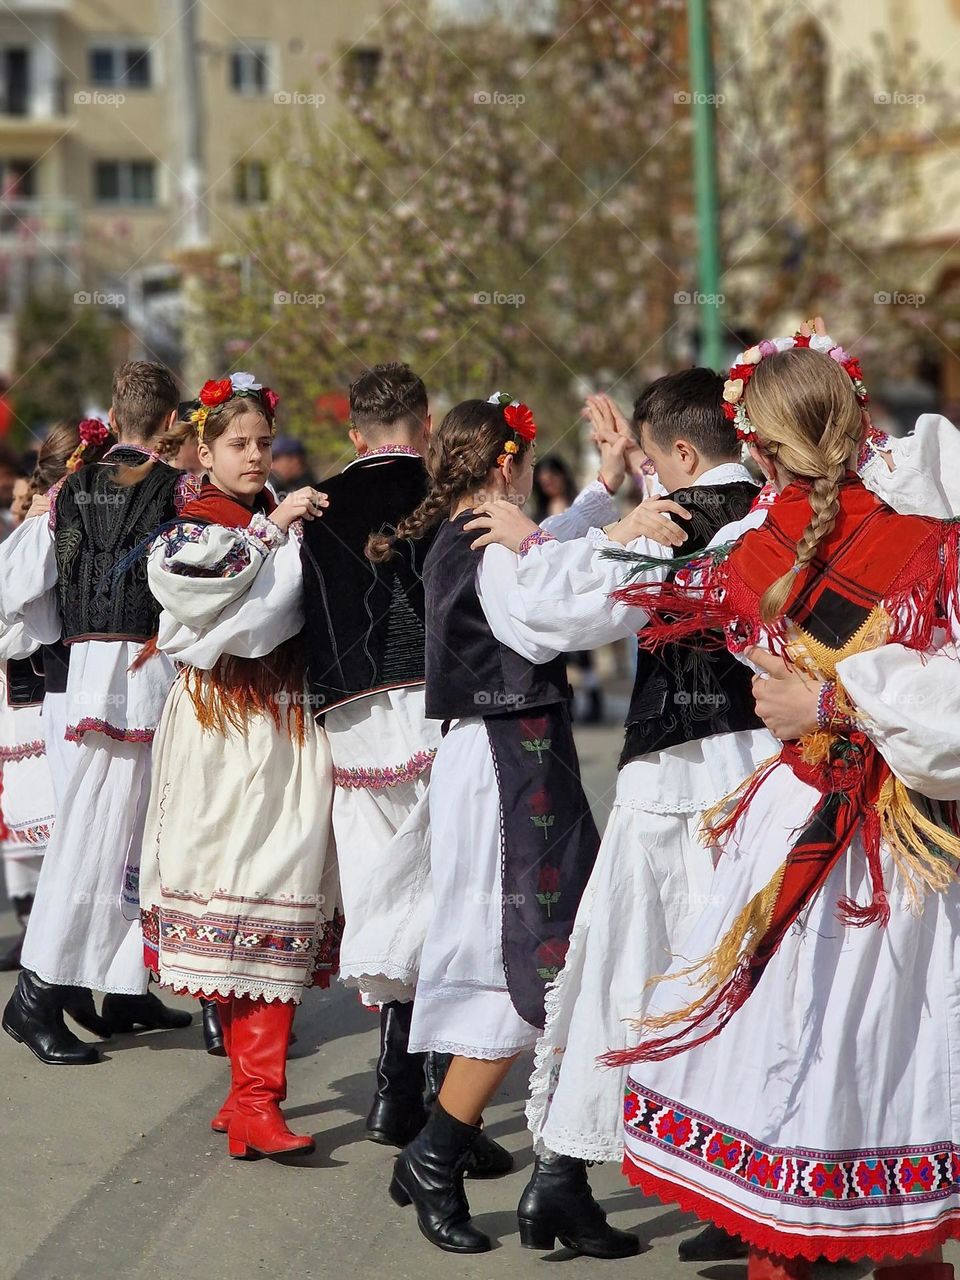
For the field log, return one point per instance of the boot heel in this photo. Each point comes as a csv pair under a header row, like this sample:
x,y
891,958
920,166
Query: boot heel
x,y
12,1034
237,1149
536,1235
397,1193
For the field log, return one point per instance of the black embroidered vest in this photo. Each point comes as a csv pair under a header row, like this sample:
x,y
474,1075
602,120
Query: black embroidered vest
x,y
363,622
98,522
469,672
684,693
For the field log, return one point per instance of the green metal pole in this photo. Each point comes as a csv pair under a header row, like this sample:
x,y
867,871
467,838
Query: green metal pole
x,y
705,183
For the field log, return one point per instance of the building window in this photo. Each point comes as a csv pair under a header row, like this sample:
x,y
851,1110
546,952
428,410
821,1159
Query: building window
x,y
250,182
121,64
17,180
250,69
14,82
125,182
363,67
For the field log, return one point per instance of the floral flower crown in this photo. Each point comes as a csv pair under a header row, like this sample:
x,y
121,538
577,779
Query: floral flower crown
x,y
746,367
92,431
218,391
518,418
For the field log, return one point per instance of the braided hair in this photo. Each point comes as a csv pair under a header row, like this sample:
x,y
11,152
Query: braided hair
x,y
463,451
806,416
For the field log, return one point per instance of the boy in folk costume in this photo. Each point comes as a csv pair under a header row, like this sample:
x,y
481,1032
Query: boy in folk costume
x,y
365,648
691,736
62,579
798,1098
238,893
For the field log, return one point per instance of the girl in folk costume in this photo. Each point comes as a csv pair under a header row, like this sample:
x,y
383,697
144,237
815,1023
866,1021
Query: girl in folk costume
x,y
814,1116
63,579
27,800
512,838
238,896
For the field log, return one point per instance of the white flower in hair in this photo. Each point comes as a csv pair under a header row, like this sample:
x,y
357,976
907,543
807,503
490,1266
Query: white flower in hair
x,y
502,398
244,382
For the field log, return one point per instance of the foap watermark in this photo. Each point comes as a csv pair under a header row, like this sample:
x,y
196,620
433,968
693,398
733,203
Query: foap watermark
x,y
896,98
700,699
686,98
497,899
493,98
285,98
498,299
895,298
312,702
283,298
96,98
98,299
105,499
497,698
697,299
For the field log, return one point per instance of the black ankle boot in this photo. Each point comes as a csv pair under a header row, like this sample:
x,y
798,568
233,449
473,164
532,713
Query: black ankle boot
x,y
558,1202
398,1113
712,1244
78,1003
212,1030
488,1159
10,959
123,1013
435,1069
34,1017
429,1173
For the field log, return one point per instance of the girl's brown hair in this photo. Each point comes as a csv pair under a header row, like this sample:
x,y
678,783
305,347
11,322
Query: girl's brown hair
x,y
169,444
56,450
806,415
463,451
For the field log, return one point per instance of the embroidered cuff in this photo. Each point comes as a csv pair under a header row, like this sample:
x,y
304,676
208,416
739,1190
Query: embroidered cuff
x,y
264,531
535,539
833,714
874,443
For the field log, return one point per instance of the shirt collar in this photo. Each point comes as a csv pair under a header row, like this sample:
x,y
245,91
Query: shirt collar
x,y
726,473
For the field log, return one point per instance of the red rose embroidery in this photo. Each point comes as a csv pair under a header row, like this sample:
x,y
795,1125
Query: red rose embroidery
x,y
520,419
549,881
215,391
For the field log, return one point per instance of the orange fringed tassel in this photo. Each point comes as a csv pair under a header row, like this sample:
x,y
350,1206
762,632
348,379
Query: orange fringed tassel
x,y
237,688
148,651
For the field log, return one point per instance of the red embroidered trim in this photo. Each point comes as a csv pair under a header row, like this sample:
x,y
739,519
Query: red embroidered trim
x,y
898,1244
536,539
28,750
90,724
380,779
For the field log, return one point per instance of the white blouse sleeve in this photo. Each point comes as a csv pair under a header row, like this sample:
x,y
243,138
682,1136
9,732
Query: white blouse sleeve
x,y
15,642
592,508
224,590
925,479
28,581
495,577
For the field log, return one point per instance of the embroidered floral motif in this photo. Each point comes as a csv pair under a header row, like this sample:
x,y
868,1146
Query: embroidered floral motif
x,y
327,960
180,535
533,739
23,751
37,834
793,1176
542,816
376,779
91,724
548,888
535,539
550,957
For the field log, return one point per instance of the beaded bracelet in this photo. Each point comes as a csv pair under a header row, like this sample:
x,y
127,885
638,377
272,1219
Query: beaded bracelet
x,y
535,539
829,714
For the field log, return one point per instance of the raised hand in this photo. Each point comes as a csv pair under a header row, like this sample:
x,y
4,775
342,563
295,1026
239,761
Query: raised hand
x,y
302,504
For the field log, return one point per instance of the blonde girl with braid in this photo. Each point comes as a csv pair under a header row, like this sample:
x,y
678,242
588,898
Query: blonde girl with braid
x,y
795,1072
512,838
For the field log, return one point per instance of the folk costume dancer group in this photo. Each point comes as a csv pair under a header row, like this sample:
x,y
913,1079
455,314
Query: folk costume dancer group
x,y
390,687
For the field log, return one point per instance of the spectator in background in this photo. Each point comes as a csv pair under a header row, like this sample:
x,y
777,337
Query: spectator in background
x,y
10,469
290,470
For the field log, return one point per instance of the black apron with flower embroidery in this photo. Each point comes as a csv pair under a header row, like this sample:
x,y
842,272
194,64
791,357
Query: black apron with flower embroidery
x,y
548,843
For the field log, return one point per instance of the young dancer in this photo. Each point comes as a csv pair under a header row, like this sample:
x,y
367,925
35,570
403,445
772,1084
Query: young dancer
x,y
691,735
796,1092
238,896
512,839
364,637
62,579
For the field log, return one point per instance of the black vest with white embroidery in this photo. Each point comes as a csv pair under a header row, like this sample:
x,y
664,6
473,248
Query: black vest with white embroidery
x,y
469,672
684,692
98,523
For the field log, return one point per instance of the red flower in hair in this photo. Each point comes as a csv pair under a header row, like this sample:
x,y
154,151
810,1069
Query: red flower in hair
x,y
729,410
93,431
852,367
215,391
744,371
520,419
271,399
802,340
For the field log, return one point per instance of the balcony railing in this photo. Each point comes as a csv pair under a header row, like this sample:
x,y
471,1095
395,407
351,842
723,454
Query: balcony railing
x,y
30,226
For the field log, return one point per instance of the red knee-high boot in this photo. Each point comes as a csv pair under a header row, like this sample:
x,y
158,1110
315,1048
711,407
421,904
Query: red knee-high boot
x,y
221,1121
772,1266
259,1037
916,1271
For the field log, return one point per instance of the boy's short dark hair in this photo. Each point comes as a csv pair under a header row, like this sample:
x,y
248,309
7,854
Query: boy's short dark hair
x,y
144,394
387,395
688,406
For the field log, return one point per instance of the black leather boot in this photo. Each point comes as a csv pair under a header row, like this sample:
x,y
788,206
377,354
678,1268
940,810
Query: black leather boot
x,y
429,1174
558,1202
398,1113
212,1030
123,1013
488,1159
10,959
435,1069
78,1003
712,1244
34,1017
